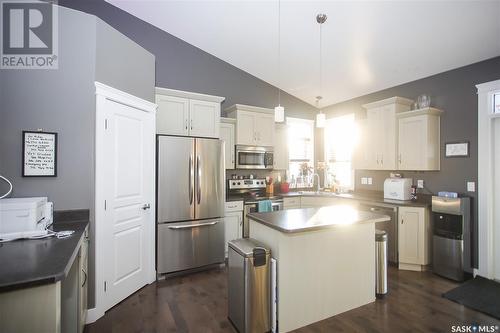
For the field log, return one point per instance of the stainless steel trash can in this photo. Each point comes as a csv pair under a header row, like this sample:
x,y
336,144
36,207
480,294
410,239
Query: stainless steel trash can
x,y
249,286
380,263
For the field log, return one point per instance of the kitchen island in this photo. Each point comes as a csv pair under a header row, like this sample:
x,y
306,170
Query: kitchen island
x,y
326,260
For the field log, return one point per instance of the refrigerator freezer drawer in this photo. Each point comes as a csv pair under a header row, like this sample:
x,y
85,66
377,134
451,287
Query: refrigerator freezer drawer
x,y
192,244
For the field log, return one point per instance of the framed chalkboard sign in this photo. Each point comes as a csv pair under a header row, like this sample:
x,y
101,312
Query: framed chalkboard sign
x,y
39,154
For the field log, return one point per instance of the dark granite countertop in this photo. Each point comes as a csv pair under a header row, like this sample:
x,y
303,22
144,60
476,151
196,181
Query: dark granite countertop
x,y
365,196
27,263
310,219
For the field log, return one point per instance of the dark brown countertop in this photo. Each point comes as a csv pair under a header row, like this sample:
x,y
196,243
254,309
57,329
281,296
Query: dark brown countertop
x,y
27,263
310,219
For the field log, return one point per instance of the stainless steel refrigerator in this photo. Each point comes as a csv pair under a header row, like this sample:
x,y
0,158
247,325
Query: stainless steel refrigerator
x,y
190,199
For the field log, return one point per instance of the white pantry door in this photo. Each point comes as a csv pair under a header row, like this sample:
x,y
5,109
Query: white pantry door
x,y
126,180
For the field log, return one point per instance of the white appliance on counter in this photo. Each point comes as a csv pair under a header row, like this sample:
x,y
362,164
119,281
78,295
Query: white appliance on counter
x,y
397,188
25,217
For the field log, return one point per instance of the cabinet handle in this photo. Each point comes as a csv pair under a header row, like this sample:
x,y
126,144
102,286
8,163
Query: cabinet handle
x,y
191,124
85,279
399,158
382,159
186,124
402,221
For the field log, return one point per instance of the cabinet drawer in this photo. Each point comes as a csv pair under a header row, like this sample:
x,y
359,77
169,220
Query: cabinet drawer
x,y
234,206
291,202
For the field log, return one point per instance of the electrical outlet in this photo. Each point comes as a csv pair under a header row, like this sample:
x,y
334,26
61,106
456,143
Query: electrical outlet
x,y
364,180
370,181
471,187
420,183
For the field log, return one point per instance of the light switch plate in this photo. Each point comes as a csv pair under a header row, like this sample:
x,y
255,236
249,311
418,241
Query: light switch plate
x,y
370,181
420,183
364,180
471,187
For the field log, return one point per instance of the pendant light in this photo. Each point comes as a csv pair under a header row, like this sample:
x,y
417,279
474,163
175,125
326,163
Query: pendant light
x,y
320,117
279,111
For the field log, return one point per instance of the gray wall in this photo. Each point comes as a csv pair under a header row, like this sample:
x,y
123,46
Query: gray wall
x,y
59,100
123,64
63,101
455,93
182,66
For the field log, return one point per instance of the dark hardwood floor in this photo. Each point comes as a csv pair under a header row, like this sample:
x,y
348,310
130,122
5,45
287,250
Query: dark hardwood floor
x,y
198,303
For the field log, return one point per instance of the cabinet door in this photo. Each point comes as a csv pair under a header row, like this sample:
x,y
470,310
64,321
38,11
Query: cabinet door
x,y
233,224
387,138
204,118
409,235
227,135
281,148
292,202
172,116
264,129
245,134
412,143
374,131
361,156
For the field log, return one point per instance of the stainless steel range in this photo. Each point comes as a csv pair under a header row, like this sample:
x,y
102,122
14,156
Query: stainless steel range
x,y
251,191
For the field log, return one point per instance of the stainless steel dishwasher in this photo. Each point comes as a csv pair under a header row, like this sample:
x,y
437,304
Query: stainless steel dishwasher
x,y
390,227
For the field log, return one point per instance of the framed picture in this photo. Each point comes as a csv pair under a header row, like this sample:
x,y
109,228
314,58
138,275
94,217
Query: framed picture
x,y
457,149
39,154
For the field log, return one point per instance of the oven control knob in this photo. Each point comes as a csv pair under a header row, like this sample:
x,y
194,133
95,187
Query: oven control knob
x,y
234,183
239,183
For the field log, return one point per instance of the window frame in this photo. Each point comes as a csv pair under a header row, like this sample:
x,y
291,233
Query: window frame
x,y
326,151
308,122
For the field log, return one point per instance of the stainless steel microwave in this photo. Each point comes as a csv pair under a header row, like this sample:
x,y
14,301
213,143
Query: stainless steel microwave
x,y
254,157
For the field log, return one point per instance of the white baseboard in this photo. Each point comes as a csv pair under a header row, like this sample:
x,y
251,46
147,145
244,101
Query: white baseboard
x,y
93,314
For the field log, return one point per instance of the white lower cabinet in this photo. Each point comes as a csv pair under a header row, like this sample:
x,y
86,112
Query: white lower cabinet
x,y
413,238
291,202
307,202
233,222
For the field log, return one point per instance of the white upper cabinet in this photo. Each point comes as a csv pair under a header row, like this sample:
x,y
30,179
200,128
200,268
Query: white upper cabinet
x,y
264,128
254,125
227,135
172,116
419,139
187,114
281,147
378,148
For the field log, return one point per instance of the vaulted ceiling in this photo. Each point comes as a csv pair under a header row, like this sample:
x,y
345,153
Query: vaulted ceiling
x,y
367,45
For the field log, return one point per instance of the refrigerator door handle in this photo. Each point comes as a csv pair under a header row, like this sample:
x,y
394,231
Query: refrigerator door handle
x,y
193,225
198,179
191,178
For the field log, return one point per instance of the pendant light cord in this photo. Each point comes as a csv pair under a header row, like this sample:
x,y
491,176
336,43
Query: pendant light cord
x,y
320,66
279,51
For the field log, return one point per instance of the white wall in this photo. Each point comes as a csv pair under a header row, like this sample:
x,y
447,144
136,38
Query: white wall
x,y
488,182
496,196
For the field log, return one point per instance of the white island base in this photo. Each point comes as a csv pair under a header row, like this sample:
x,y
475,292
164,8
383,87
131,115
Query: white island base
x,y
320,273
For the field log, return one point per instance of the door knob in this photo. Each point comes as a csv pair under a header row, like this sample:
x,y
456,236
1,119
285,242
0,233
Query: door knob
x,y
146,206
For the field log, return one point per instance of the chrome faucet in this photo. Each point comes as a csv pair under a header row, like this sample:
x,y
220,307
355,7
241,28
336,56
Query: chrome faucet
x,y
318,187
